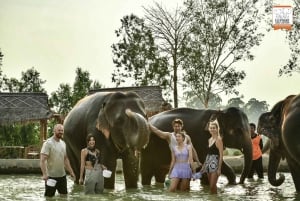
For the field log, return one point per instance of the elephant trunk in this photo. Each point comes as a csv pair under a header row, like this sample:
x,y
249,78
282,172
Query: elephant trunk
x,y
138,138
274,160
247,151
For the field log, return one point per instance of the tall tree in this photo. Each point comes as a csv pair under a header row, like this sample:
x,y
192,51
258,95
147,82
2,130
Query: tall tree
x,y
254,108
193,101
169,30
1,75
11,84
96,85
293,37
81,85
30,82
236,102
61,100
221,34
1,57
136,55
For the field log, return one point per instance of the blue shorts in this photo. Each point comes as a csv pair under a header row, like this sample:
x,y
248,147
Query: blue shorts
x,y
60,186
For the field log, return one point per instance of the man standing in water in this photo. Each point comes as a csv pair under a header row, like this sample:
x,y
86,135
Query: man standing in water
x,y
257,146
53,161
177,125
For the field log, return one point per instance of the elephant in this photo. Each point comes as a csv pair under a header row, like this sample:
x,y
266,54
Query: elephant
x,y
234,128
281,126
124,116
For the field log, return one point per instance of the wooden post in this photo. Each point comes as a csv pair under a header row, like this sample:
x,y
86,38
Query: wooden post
x,y
43,131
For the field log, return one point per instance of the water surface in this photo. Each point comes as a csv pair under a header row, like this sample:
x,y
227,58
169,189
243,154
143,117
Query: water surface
x,y
31,187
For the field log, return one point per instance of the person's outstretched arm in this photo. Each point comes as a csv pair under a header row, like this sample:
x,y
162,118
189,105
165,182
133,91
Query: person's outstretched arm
x,y
159,133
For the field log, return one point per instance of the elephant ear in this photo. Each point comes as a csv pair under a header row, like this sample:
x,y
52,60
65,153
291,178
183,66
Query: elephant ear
x,y
102,122
114,108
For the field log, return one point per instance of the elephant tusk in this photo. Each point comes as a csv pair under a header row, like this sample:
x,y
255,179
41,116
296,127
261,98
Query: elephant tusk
x,y
128,112
105,132
137,153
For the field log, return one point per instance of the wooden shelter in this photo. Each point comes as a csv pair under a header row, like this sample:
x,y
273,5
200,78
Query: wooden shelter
x,y
151,95
25,107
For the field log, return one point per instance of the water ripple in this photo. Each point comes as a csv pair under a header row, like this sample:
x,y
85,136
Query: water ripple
x,y
31,187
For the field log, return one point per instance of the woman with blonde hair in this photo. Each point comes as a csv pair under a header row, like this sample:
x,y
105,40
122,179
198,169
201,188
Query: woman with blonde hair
x,y
214,158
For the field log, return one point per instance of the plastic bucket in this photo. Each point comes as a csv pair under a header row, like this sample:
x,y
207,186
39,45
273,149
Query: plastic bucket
x,y
51,182
167,183
197,175
106,173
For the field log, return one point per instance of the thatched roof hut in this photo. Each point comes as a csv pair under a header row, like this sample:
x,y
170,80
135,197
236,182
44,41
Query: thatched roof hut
x,y
152,96
25,107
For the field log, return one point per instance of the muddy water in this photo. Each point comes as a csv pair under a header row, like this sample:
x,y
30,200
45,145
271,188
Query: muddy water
x,y
30,187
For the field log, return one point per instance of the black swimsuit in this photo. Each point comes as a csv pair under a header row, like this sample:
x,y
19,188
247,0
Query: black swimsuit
x,y
213,150
211,163
93,158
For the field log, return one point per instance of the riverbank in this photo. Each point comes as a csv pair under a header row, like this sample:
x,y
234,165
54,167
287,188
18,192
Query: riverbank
x,y
31,166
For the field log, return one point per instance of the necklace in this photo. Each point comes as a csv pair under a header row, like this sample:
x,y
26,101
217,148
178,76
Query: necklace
x,y
92,149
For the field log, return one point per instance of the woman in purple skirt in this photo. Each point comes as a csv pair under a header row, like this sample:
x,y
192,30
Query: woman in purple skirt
x,y
180,171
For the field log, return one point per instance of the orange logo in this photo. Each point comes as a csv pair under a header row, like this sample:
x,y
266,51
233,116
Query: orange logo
x,y
282,17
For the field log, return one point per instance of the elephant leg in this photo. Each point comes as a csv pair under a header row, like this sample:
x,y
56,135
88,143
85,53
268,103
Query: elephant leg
x,y
147,171
229,173
204,179
109,183
294,169
160,173
130,169
110,161
74,163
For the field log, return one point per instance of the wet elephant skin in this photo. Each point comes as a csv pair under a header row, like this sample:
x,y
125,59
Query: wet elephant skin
x,y
234,128
128,132
282,127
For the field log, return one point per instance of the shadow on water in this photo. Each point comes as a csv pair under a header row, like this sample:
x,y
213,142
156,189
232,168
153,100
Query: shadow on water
x,y
31,187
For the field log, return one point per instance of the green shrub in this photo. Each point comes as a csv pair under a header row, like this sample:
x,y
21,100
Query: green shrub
x,y
237,153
